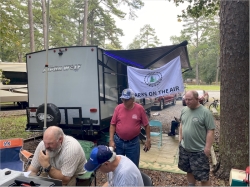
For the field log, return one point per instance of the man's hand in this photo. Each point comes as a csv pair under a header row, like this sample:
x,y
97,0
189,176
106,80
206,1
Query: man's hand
x,y
112,143
44,159
207,151
147,145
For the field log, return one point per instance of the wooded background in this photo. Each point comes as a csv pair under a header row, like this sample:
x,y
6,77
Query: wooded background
x,y
24,30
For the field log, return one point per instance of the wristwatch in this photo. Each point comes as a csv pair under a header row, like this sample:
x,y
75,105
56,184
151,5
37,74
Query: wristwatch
x,y
47,169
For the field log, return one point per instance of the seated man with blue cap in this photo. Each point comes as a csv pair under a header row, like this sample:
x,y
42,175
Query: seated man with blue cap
x,y
121,171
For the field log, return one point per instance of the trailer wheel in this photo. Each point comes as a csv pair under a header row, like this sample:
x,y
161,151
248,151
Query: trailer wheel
x,y
53,115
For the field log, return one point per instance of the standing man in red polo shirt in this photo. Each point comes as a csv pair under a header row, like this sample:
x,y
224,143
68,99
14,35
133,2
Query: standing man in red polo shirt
x,y
126,125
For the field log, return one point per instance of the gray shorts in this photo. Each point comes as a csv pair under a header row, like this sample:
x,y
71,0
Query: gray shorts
x,y
196,163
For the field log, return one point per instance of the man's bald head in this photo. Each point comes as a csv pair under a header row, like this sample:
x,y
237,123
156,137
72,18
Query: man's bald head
x,y
53,131
194,93
192,99
53,137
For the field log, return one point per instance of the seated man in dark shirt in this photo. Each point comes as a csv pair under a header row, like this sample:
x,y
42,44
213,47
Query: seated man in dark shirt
x,y
174,125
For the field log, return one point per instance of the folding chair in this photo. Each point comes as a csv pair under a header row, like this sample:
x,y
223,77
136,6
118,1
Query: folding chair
x,y
158,124
9,151
26,157
146,179
87,178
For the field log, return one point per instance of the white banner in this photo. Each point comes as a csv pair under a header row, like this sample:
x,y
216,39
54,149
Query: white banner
x,y
154,83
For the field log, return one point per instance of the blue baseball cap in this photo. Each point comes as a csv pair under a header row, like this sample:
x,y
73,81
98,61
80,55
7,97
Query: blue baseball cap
x,y
127,94
98,156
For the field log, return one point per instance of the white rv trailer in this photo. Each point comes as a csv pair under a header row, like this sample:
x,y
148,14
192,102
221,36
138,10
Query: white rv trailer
x,y
84,83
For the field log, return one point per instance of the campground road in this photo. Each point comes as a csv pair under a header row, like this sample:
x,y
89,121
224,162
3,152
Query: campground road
x,y
169,112
215,94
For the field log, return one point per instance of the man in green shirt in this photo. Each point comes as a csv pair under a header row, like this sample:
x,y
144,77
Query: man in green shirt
x,y
196,136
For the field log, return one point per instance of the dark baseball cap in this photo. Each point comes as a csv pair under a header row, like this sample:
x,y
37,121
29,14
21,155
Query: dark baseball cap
x,y
98,156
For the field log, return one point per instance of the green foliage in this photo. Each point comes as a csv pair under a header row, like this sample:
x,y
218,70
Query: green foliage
x,y
102,30
3,80
203,37
198,8
133,4
13,127
210,56
136,44
146,39
101,26
65,25
13,29
60,16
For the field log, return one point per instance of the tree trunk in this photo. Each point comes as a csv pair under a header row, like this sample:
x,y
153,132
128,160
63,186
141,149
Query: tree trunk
x,y
91,20
20,59
234,67
44,24
196,67
217,70
196,54
31,25
197,71
85,22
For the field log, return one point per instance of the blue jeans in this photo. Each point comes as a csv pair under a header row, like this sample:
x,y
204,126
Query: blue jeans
x,y
130,149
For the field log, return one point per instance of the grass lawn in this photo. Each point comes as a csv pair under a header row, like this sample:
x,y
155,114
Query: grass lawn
x,y
203,87
14,127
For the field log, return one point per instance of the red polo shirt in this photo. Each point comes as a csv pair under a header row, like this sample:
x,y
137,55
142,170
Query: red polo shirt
x,y
128,122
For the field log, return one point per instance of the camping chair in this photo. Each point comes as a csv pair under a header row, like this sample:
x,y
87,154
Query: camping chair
x,y
158,124
87,178
9,151
146,179
26,157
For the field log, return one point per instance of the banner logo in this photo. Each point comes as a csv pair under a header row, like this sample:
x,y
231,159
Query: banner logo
x,y
153,79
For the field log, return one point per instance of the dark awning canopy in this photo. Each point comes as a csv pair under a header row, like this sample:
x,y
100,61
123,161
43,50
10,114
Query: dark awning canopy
x,y
151,57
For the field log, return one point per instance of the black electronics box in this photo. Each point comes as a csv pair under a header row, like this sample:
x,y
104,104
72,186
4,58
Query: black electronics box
x,y
31,181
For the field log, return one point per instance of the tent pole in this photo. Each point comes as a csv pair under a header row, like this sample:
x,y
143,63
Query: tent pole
x,y
46,74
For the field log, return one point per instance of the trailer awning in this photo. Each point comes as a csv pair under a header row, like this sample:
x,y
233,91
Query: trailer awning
x,y
151,57
13,67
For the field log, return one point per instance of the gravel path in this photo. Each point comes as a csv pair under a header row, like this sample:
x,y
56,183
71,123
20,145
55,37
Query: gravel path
x,y
167,115
4,113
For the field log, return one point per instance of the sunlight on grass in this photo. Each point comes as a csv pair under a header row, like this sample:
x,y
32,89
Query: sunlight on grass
x,y
13,127
203,87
